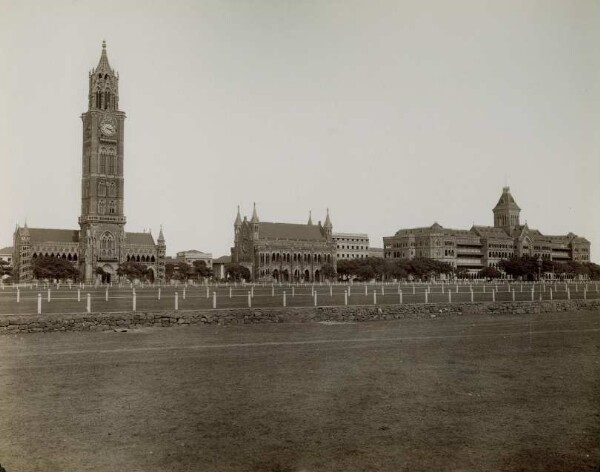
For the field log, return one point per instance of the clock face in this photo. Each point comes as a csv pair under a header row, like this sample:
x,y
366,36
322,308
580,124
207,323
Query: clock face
x,y
108,129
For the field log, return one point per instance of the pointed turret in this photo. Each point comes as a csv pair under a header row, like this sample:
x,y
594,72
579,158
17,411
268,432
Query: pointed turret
x,y
327,221
255,223
328,227
104,85
103,66
254,215
238,218
161,237
506,212
310,217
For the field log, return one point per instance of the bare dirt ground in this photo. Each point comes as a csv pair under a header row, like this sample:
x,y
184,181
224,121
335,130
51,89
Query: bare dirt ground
x,y
469,393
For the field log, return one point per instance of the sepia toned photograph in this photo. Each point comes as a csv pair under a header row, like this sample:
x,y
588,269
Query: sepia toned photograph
x,y
284,236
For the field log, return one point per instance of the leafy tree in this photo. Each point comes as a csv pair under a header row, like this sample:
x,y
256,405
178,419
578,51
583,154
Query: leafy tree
x,y
48,267
236,271
202,270
178,270
5,268
328,271
132,270
490,273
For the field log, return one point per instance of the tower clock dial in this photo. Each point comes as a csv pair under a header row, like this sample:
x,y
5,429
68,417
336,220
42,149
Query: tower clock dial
x,y
108,129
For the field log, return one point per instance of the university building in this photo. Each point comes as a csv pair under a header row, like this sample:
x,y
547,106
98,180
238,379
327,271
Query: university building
x,y
101,242
194,255
485,246
283,251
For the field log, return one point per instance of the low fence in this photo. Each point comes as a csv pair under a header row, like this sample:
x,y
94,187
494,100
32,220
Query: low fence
x,y
57,298
12,324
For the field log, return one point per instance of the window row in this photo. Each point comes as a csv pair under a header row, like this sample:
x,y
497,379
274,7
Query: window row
x,y
107,187
103,208
268,258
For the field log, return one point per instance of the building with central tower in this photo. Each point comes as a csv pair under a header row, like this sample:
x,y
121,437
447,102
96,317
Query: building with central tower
x,y
101,243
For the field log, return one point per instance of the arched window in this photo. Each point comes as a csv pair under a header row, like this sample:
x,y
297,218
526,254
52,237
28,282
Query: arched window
x,y
101,207
107,245
152,259
102,188
112,207
74,257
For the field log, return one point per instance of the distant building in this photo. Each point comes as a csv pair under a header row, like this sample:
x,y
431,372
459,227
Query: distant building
x,y
376,252
193,255
351,245
6,254
485,246
219,267
283,251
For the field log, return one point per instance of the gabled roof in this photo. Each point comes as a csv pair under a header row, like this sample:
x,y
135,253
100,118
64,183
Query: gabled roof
x,y
490,232
139,239
290,231
40,235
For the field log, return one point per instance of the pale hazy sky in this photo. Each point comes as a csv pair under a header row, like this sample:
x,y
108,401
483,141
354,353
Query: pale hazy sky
x,y
393,114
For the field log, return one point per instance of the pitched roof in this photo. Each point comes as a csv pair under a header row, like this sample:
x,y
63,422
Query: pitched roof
x,y
40,235
222,260
290,231
490,232
139,239
506,200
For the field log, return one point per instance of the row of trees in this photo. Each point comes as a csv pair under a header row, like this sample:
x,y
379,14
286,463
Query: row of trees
x,y
379,269
525,267
529,268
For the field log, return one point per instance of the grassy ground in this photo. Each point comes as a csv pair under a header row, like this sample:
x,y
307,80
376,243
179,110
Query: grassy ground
x,y
470,393
65,300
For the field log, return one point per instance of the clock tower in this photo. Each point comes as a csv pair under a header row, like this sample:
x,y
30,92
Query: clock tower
x,y
102,223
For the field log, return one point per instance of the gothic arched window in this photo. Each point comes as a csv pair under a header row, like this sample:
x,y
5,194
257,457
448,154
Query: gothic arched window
x,y
102,163
112,207
102,188
112,187
107,245
101,207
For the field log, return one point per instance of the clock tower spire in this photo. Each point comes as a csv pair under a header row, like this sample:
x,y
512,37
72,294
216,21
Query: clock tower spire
x,y
102,221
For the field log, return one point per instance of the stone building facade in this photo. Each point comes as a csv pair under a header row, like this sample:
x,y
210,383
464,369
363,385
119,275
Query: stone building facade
x,y
101,241
351,245
283,251
486,246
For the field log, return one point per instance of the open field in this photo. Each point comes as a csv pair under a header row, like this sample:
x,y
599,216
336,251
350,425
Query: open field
x,y
469,393
116,299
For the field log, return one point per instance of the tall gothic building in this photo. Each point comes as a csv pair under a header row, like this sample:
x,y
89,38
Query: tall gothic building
x,y
101,243
283,251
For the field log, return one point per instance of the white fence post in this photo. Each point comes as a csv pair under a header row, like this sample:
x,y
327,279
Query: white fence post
x,y
293,291
78,295
345,297
176,301
134,301
159,293
374,297
449,295
48,294
39,303
426,296
252,291
315,295
106,295
214,299
249,299
513,295
18,295
366,293
284,301
89,303
184,293
493,295
330,291
400,295
229,292
472,299
272,290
